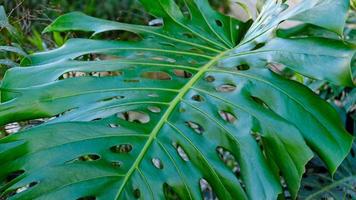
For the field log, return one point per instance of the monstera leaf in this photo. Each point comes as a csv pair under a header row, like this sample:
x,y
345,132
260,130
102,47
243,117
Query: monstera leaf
x,y
192,104
318,184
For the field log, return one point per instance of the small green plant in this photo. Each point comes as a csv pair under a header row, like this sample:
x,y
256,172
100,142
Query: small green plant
x,y
194,103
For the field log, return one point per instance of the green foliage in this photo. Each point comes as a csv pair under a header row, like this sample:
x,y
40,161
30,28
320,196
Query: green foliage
x,y
191,103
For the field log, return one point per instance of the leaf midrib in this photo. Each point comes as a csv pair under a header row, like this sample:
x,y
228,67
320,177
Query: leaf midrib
x,y
165,117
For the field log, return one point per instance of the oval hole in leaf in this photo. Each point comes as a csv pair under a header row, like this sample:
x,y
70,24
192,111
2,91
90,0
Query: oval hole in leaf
x,y
226,88
181,152
89,157
136,193
22,189
133,116
206,189
154,109
112,125
169,192
227,116
243,67
260,102
13,175
87,198
156,76
157,163
230,160
210,79
219,23
121,148
195,126
182,73
113,98
198,98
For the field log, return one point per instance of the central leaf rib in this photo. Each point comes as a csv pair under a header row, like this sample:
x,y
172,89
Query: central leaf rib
x,y
165,116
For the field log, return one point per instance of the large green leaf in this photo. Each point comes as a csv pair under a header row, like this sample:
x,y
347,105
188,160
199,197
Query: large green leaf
x,y
154,118
318,184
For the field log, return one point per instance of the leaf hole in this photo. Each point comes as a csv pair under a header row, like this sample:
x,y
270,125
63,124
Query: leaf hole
x,y
121,148
156,22
14,175
210,79
258,46
195,126
154,109
157,163
22,189
206,190
229,159
89,157
136,193
226,88
198,98
87,198
260,102
227,116
243,67
156,76
182,154
133,116
112,125
169,192
113,98
219,23
182,73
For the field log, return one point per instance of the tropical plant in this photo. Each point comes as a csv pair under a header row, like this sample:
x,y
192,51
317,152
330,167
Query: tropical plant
x,y
192,104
